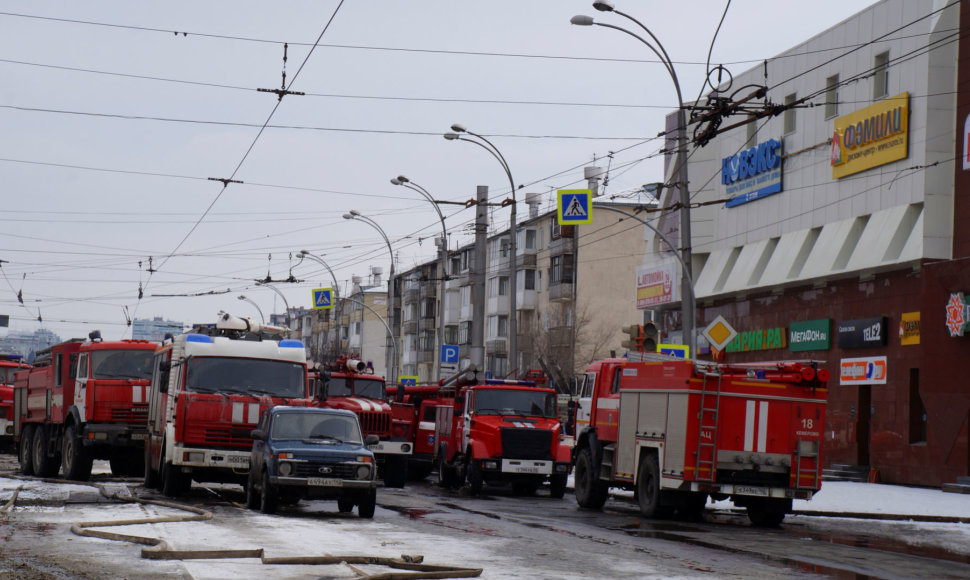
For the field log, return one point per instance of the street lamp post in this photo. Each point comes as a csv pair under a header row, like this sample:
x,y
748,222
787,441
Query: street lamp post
x,y
286,304
256,306
513,299
688,314
356,215
336,294
443,256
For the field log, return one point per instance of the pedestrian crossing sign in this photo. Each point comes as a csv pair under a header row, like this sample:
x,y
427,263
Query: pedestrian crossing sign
x,y
574,206
322,298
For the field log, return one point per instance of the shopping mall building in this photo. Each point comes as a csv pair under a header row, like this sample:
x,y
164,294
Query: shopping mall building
x,y
834,231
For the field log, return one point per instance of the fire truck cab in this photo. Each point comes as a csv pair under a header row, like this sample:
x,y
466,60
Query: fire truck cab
x,y
500,431
211,386
677,431
9,365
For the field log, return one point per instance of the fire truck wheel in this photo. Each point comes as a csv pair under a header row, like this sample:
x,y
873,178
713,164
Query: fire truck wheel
x,y
446,475
253,501
267,496
590,492
476,480
27,450
557,486
367,504
174,482
151,475
767,513
395,471
76,459
648,489
345,504
44,464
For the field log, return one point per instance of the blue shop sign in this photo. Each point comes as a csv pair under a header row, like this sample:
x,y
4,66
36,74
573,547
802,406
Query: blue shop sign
x,y
753,173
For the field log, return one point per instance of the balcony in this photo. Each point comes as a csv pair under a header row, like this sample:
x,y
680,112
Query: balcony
x,y
560,246
525,260
429,288
427,324
496,346
561,291
425,357
412,293
410,327
525,300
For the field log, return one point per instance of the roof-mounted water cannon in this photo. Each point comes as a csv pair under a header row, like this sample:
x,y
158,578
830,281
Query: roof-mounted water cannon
x,y
228,321
356,366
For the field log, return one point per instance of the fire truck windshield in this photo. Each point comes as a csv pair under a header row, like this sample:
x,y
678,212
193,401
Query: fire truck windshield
x,y
6,375
522,402
356,387
245,376
122,364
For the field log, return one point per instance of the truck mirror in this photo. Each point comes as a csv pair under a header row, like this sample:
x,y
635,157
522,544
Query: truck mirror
x,y
165,366
258,434
371,440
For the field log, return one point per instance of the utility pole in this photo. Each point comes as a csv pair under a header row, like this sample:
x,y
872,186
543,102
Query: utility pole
x,y
478,279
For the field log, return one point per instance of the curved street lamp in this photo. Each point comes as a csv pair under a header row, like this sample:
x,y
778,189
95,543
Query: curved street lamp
x,y
256,306
513,267
688,314
443,256
356,215
286,304
336,294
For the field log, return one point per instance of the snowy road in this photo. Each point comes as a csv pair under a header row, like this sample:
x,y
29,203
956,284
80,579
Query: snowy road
x,y
504,535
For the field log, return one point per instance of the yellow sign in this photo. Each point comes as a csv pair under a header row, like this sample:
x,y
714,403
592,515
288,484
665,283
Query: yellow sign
x,y
719,333
909,328
871,137
574,207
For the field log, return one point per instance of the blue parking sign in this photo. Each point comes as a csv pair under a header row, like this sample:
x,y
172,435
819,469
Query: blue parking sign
x,y
449,354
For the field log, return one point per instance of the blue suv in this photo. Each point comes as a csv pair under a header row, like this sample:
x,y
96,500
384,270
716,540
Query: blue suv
x,y
307,452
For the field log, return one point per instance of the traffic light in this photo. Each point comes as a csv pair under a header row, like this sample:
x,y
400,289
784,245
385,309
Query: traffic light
x,y
650,336
635,332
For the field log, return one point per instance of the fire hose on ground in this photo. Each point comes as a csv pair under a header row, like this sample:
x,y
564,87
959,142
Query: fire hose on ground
x,y
158,549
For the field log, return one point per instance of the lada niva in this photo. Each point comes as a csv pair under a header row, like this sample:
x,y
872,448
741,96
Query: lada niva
x,y
311,453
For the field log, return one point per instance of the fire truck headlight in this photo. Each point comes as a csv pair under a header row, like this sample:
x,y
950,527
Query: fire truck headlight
x,y
406,448
491,464
561,468
786,461
363,472
286,468
739,458
754,458
194,457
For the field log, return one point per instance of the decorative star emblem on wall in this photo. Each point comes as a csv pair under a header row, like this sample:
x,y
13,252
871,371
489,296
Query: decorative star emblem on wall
x,y
956,314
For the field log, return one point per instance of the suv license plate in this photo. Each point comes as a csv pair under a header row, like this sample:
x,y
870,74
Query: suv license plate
x,y
325,481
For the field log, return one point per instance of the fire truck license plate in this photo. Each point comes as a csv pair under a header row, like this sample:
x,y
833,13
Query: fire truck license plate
x,y
139,436
325,481
745,490
237,459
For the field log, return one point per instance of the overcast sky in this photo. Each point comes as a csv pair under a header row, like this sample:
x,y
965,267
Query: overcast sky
x,y
115,115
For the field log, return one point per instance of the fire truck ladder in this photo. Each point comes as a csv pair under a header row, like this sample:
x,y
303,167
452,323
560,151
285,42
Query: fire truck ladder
x,y
707,421
806,452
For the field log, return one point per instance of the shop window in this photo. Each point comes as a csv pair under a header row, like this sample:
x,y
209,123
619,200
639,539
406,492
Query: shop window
x,y
917,410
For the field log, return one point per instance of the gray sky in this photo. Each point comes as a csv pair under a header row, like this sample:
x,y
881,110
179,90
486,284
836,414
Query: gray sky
x,y
113,120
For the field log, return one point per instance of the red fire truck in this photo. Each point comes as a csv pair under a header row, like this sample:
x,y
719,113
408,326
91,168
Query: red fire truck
x,y
9,364
414,408
349,384
210,386
83,400
500,431
676,431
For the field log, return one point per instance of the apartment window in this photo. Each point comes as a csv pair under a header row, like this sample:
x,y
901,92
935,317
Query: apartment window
x,y
466,295
561,270
456,265
529,279
789,117
880,78
428,308
410,311
506,245
530,239
831,96
503,285
503,326
356,328
426,341
465,333
451,335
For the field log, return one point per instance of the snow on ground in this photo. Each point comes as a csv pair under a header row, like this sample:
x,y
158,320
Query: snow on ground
x,y
878,498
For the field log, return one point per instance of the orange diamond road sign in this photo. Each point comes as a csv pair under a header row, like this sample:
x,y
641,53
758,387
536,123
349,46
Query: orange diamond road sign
x,y
719,333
